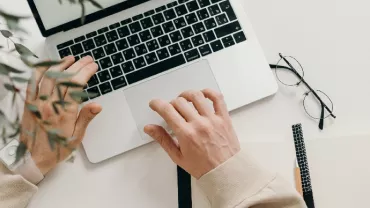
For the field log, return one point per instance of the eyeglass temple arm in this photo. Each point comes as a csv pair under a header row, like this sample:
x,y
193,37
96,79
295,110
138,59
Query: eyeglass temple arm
x,y
322,118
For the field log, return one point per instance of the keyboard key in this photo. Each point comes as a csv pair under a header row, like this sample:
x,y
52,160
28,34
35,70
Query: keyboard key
x,y
216,45
210,23
105,88
105,63
154,69
117,58
65,44
205,50
204,3
174,49
172,4
135,27
133,40
182,1
226,7
158,18
175,36
156,31
104,76
191,18
141,49
103,30
169,14
164,41
221,19
146,23
227,29
77,49
119,83
79,39
126,21
187,32
228,41
239,37
198,28
215,1
151,58
181,10
127,67
88,44
148,13
168,27
100,40
192,6
98,53
197,40
129,54
123,31
186,45
116,71
110,49
92,34
214,10
86,54
114,26
161,8
145,35
93,81
163,53
77,58
139,62
209,36
121,44
111,36
180,22
192,55
65,52
137,17
202,14
152,45
93,91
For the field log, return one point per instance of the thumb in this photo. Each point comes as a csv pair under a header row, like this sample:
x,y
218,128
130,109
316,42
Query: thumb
x,y
86,115
159,134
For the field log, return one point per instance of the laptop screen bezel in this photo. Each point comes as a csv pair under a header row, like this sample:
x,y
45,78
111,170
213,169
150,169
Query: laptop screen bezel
x,y
126,4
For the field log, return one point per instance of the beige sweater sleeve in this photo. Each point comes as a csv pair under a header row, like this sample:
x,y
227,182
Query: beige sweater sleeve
x,y
15,191
241,183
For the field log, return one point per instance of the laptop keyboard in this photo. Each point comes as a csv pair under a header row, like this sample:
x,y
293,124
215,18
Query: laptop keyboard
x,y
155,41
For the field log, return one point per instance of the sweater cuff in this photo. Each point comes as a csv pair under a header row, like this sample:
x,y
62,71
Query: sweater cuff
x,y
234,181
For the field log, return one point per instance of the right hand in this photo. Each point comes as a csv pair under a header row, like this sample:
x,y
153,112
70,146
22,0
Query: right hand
x,y
206,137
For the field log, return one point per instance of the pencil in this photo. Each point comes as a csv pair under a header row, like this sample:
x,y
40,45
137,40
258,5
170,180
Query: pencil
x,y
298,180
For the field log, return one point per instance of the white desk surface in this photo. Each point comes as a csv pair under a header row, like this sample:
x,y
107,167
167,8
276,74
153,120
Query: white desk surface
x,y
330,38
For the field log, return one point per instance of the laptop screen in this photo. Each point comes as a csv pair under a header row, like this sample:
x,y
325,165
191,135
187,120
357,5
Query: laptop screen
x,y
53,14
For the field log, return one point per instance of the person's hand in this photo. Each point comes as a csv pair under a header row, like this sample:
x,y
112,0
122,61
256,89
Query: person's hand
x,y
206,137
70,122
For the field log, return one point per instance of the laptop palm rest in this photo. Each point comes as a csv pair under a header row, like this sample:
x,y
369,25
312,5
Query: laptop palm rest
x,y
197,76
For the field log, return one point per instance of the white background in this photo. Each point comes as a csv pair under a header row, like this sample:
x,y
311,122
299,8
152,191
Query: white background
x,y
331,40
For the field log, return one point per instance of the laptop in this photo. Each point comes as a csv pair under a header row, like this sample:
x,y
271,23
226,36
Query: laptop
x,y
150,49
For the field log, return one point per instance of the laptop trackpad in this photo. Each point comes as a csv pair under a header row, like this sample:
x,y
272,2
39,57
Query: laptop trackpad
x,y
197,76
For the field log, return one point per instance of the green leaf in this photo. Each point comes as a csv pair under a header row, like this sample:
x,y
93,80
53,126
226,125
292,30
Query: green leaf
x,y
55,108
16,133
23,50
34,110
83,12
59,92
46,123
5,69
21,151
3,135
81,95
51,139
62,103
46,63
6,33
19,79
96,4
58,75
70,84
43,97
10,87
14,98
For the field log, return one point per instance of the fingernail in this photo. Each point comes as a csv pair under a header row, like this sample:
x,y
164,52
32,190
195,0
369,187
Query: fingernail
x,y
147,129
95,110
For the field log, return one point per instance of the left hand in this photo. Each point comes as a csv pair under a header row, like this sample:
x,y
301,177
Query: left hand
x,y
70,122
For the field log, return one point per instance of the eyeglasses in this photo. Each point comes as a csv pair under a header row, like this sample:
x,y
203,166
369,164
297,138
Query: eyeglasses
x,y
316,103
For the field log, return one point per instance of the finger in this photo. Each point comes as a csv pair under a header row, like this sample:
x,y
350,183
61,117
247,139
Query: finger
x,y
185,109
159,134
168,113
87,114
219,104
33,88
48,84
199,102
82,77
